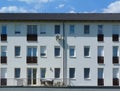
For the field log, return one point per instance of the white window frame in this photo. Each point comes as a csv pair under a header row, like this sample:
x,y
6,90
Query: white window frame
x,y
19,51
100,73
89,74
101,51
72,47
116,73
117,51
43,52
17,29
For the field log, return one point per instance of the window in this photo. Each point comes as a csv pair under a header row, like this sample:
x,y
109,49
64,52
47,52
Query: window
x,y
32,29
43,51
4,51
42,72
57,73
17,51
71,72
72,29
17,29
32,51
116,73
86,29
42,29
31,76
115,51
86,73
57,51
57,29
100,29
115,29
100,73
72,51
100,51
86,51
3,73
4,29
17,72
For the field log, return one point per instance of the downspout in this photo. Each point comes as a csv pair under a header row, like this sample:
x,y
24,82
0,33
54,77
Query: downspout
x,y
64,56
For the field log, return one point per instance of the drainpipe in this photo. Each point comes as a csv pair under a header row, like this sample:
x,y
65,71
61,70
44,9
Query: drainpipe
x,y
64,56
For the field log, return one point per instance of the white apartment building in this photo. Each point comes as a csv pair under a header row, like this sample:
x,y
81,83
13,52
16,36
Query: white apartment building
x,y
59,49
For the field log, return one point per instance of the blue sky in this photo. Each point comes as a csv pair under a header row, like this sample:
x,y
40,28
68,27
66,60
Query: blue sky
x,y
60,6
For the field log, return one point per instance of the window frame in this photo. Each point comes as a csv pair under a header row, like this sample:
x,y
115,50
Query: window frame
x,y
16,76
16,51
72,75
87,75
72,29
87,29
32,51
56,47
57,29
57,72
45,51
72,48
87,56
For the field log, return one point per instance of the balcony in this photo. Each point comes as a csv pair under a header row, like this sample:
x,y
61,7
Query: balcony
x,y
115,60
3,81
31,59
100,59
115,82
115,38
100,82
100,37
31,37
3,37
3,59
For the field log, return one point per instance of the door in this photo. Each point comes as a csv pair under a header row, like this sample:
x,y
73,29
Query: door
x,y
31,76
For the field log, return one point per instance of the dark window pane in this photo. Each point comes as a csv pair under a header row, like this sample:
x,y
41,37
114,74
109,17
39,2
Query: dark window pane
x,y
86,73
71,72
57,72
57,29
57,51
86,29
17,72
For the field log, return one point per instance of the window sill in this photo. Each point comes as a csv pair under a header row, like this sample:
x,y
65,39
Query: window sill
x,y
87,78
72,78
43,56
87,56
18,57
57,56
72,56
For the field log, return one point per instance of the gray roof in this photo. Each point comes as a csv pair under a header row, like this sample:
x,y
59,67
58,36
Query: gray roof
x,y
59,16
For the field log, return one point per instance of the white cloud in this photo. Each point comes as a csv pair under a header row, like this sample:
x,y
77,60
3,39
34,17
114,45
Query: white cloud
x,y
71,11
61,5
14,9
113,7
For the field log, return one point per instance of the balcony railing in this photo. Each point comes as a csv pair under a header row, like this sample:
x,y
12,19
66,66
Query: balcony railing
x,y
3,37
100,37
115,37
31,82
100,59
100,82
31,37
30,59
115,82
3,59
115,60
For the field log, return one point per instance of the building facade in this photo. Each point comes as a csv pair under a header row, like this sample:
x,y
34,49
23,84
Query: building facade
x,y
59,49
